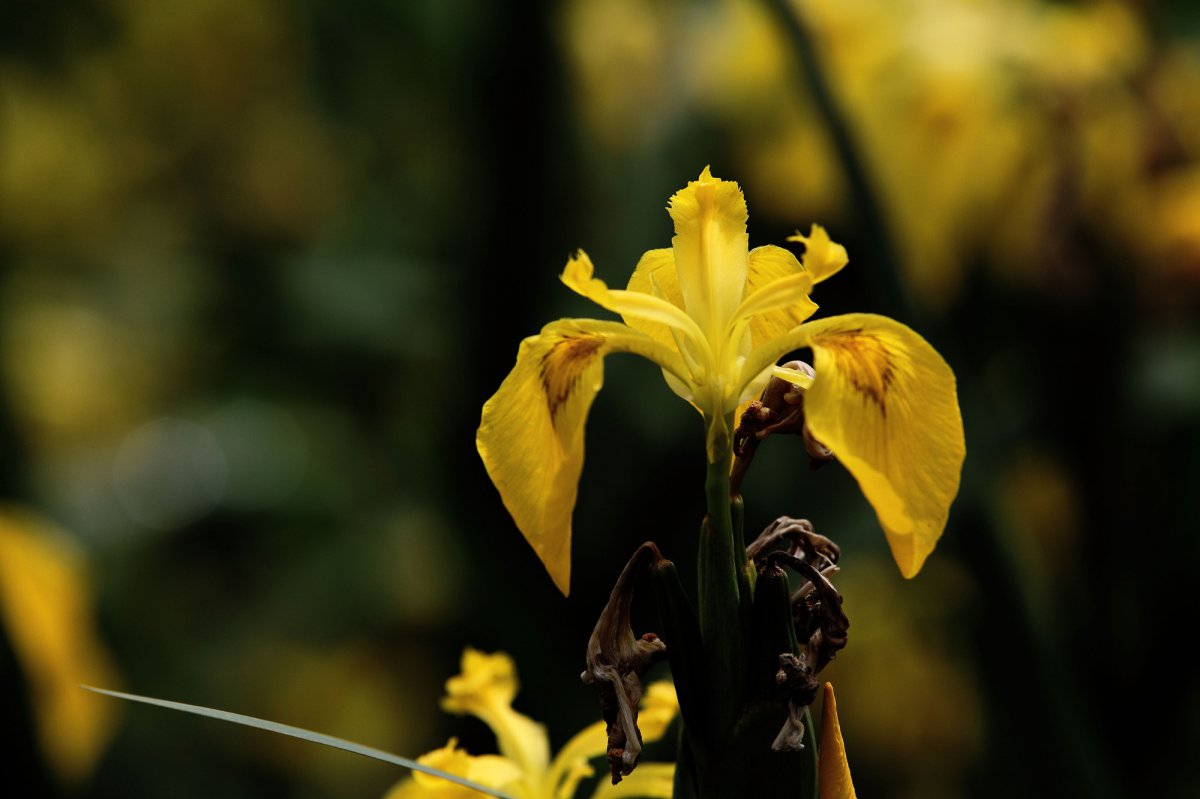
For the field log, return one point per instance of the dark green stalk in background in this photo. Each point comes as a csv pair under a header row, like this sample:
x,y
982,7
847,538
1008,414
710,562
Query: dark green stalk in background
x,y
1080,750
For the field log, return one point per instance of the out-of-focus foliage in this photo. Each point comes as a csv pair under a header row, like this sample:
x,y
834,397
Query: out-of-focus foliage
x,y
222,262
991,127
251,257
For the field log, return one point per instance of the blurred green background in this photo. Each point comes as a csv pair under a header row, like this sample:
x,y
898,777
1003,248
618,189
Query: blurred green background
x,y
261,262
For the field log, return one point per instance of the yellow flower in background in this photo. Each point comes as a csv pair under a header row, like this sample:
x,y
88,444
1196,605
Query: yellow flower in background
x,y
45,609
986,125
485,689
716,316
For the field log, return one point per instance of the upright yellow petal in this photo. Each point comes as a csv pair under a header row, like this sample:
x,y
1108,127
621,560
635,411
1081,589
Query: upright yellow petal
x,y
766,266
531,433
833,770
485,689
711,249
655,275
885,402
483,679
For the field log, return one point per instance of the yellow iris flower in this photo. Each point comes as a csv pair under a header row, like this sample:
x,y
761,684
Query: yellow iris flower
x,y
523,769
717,316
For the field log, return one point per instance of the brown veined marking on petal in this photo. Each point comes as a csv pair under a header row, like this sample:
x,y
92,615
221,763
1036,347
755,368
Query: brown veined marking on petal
x,y
562,365
865,360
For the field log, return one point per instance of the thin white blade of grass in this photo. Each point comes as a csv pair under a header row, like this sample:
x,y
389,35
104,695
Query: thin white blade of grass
x,y
302,734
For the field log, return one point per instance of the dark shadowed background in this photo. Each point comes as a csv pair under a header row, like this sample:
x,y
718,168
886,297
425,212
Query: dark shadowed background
x,y
261,263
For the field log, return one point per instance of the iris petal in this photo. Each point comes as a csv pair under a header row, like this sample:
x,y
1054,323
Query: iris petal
x,y
768,265
823,258
885,402
579,276
655,275
485,689
650,780
531,433
711,249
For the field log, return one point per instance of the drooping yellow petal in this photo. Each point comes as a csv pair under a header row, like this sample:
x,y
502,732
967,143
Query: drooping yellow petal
x,y
46,612
531,433
823,257
885,402
649,780
711,249
485,689
768,265
833,770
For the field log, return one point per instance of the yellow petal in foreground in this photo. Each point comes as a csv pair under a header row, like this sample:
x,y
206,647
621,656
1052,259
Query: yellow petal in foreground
x,y
46,611
659,707
650,780
490,770
485,689
885,402
833,770
531,433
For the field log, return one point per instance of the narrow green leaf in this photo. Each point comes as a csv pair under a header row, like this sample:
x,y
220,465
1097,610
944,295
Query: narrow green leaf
x,y
302,734
685,650
773,632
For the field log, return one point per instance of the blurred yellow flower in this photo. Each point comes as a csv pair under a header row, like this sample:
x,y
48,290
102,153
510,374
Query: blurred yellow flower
x,y
45,609
716,316
523,769
988,127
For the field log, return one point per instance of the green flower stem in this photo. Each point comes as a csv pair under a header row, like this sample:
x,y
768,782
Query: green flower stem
x,y
728,696
720,597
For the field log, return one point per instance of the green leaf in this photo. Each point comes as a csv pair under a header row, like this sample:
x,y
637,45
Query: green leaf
x,y
302,734
680,631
